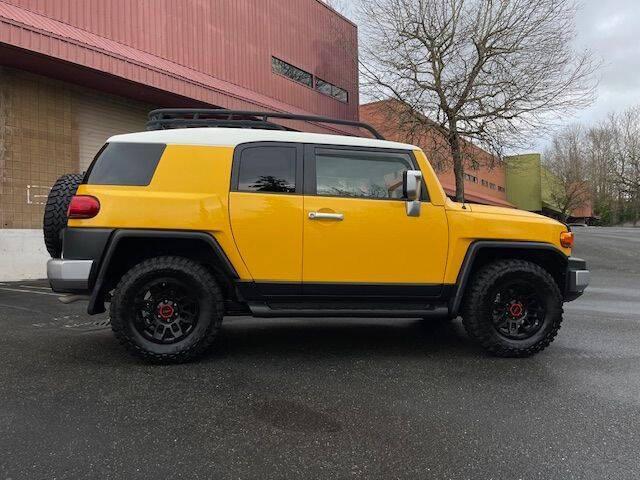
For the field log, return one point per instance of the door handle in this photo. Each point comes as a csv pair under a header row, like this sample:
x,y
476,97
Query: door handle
x,y
325,216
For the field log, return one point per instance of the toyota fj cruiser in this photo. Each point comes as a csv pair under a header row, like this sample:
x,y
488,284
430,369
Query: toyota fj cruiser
x,y
182,225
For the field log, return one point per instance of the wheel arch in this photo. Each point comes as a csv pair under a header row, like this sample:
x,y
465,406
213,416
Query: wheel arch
x,y
126,248
483,252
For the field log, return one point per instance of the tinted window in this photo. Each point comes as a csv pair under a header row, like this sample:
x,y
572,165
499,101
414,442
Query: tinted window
x,y
360,174
294,73
323,87
268,169
125,164
332,90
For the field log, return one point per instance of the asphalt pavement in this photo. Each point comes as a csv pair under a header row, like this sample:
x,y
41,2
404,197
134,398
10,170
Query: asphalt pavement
x,y
323,398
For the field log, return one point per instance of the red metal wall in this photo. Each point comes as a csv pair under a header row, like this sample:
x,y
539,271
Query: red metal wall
x,y
229,42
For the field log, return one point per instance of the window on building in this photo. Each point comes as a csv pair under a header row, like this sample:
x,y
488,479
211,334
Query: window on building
x,y
492,186
470,178
331,90
294,73
485,183
475,165
343,173
500,189
267,169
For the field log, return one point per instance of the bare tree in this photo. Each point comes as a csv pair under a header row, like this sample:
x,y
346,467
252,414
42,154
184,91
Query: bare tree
x,y
567,160
625,163
338,5
489,71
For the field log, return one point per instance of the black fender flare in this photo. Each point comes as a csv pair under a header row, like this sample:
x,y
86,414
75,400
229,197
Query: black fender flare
x,y
476,247
96,300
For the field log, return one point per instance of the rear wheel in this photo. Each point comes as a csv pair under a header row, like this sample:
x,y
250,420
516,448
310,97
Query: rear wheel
x,y
167,309
513,308
55,211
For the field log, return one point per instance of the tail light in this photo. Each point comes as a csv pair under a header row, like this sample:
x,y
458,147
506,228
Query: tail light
x,y
566,239
83,206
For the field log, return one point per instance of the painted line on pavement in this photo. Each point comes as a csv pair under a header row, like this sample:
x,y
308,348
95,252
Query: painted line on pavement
x,y
29,291
34,286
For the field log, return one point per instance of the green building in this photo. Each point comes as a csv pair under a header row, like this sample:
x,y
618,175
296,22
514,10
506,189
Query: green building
x,y
529,184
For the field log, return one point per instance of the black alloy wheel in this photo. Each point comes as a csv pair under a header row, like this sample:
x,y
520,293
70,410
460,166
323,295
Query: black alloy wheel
x,y
517,309
167,311
512,308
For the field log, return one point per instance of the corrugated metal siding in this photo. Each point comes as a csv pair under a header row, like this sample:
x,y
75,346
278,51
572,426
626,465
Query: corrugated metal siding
x,y
230,40
99,117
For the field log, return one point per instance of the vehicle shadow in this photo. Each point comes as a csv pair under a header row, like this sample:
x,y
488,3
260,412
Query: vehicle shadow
x,y
302,338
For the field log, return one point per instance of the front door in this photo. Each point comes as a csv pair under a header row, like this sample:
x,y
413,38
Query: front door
x,y
357,234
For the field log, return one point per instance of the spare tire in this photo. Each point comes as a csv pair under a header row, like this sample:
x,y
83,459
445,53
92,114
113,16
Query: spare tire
x,y
55,211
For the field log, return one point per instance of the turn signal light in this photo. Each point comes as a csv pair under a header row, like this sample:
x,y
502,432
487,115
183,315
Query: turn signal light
x,y
566,239
83,206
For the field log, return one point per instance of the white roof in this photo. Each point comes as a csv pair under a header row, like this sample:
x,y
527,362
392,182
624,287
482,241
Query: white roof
x,y
231,137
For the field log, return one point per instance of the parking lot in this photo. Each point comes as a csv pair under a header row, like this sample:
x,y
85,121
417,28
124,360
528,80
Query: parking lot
x,y
322,398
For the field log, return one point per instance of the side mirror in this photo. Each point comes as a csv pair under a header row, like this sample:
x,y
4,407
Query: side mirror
x,y
411,188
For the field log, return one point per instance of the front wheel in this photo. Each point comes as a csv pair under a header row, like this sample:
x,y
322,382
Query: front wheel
x,y
513,308
167,309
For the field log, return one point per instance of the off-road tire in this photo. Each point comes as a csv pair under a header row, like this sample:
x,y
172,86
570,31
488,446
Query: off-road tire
x,y
211,310
476,314
55,211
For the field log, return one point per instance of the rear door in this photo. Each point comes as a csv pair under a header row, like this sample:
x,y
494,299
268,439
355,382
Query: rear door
x,y
266,211
357,235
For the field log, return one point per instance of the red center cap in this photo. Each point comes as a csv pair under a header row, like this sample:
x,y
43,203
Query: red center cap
x,y
166,311
516,310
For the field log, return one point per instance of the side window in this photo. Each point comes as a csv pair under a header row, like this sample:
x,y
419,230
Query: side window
x,y
345,173
130,164
267,169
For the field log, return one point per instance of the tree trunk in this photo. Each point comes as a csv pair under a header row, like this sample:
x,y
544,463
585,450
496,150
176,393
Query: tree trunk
x,y
458,165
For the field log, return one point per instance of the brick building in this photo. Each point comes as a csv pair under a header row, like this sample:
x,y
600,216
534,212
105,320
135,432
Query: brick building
x,y
74,73
485,177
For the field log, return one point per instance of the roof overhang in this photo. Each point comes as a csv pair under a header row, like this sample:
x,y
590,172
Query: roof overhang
x,y
477,198
36,43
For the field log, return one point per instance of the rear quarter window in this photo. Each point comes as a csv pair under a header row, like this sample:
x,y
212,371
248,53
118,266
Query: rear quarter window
x,y
125,164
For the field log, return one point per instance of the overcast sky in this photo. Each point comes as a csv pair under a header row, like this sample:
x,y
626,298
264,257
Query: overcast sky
x,y
611,29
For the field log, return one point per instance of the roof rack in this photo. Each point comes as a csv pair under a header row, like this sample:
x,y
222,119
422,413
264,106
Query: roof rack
x,y
166,118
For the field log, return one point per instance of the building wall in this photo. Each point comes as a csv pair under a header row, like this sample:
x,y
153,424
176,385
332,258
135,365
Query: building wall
x,y
40,141
386,117
101,116
96,67
524,181
46,128
215,51
530,186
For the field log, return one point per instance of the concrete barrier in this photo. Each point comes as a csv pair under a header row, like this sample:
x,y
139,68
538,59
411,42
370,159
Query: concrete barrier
x,y
23,255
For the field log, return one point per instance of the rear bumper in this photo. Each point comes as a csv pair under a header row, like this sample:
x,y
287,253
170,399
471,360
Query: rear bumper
x,y
81,253
578,278
69,276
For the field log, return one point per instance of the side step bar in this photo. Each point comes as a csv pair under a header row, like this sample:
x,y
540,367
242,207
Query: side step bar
x,y
262,310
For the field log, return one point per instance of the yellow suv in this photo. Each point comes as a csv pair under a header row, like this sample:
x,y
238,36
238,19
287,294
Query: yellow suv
x,y
182,225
